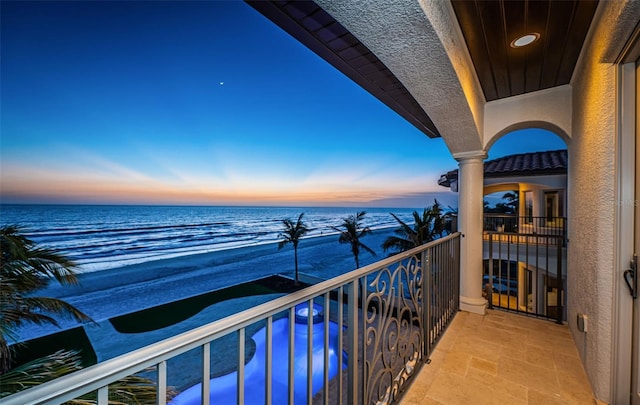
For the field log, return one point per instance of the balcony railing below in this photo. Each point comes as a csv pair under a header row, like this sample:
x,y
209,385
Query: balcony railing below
x,y
526,274
359,339
527,225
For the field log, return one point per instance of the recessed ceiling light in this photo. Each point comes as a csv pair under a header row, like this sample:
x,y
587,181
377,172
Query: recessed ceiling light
x,y
525,40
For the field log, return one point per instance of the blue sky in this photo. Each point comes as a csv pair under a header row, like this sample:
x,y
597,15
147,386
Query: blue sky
x,y
197,103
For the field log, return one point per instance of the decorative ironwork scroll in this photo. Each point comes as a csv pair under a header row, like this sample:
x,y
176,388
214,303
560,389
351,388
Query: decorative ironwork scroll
x,y
394,333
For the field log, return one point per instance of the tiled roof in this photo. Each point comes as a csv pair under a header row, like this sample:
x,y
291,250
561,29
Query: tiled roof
x,y
528,163
523,164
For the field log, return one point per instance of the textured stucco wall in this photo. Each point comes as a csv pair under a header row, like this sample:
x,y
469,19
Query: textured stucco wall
x,y
404,38
592,193
547,109
591,222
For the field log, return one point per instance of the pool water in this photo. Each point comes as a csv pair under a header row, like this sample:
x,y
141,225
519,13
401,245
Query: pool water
x,y
223,388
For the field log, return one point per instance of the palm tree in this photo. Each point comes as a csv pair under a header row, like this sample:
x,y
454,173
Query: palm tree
x,y
292,233
351,232
426,228
24,269
512,200
133,389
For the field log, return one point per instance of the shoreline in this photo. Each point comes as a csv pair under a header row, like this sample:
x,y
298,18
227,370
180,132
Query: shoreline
x,y
94,267
149,270
113,292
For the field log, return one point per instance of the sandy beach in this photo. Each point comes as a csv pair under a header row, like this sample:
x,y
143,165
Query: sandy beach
x,y
108,293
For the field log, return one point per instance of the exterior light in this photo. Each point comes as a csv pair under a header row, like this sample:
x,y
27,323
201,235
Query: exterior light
x,y
525,40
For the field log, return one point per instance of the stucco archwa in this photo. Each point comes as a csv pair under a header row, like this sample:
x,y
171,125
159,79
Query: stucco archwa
x,y
546,109
403,37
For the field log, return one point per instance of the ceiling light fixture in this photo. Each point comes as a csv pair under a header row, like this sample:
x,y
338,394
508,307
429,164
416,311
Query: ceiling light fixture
x,y
525,40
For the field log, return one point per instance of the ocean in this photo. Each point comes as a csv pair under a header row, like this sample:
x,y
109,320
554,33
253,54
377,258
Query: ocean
x,y
100,237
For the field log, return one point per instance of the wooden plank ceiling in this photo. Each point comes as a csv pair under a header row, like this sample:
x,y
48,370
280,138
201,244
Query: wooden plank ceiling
x,y
489,27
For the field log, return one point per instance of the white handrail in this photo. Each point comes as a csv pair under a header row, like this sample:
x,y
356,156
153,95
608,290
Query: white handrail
x,y
100,375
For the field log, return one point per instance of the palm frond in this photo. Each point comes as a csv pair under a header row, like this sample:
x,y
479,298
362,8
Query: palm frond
x,y
427,227
134,389
368,249
21,257
25,268
39,371
351,232
131,390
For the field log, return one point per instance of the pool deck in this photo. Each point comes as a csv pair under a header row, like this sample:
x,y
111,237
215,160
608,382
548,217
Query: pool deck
x,y
502,358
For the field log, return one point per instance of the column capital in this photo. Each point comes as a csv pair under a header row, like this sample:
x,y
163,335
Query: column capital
x,y
470,155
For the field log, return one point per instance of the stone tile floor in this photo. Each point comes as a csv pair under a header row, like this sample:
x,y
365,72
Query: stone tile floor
x,y
502,358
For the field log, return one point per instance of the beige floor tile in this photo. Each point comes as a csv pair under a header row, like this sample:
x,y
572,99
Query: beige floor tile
x,y
502,358
570,365
456,363
540,398
541,357
436,357
515,393
452,389
484,332
566,347
427,373
485,366
421,401
511,339
518,352
532,376
575,387
447,341
477,348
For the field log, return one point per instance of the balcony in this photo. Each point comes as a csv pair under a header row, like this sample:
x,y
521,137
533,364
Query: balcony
x,y
366,337
526,227
525,264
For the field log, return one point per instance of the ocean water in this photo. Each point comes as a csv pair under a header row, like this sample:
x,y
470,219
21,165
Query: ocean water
x,y
99,237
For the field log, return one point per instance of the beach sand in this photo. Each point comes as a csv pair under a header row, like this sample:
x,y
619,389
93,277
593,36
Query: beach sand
x,y
108,293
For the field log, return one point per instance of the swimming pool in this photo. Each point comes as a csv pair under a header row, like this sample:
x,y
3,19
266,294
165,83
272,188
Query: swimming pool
x,y
223,388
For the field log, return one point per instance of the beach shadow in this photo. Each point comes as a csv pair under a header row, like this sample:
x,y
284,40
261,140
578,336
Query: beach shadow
x,y
171,313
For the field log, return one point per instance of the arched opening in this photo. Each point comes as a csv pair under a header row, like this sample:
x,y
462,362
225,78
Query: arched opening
x,y
521,179
525,209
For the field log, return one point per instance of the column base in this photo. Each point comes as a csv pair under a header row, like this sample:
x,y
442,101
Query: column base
x,y
473,305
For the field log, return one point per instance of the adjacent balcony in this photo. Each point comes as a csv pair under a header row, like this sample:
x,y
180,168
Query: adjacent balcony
x,y
390,332
525,225
525,264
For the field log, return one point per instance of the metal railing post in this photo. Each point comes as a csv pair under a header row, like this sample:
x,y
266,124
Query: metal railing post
x,y
352,344
206,372
426,303
490,274
240,375
161,398
560,313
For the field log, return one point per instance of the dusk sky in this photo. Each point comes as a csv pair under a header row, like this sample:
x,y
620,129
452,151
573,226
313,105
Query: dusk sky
x,y
198,103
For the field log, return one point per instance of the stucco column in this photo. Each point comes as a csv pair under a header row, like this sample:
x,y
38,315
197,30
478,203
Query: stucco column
x,y
470,218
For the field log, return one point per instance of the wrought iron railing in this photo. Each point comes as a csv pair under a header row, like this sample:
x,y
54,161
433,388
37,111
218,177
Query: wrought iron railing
x,y
528,225
526,276
358,338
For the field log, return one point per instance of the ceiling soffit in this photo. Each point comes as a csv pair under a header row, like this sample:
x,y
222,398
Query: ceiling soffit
x,y
489,27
